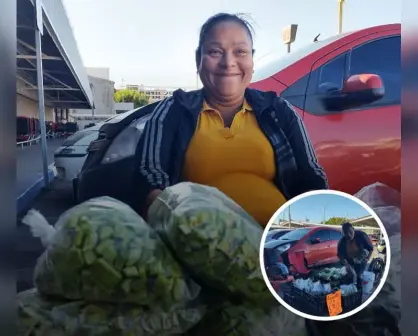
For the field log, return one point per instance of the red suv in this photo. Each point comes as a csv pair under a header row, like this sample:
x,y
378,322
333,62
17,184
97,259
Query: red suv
x,y
360,145
303,249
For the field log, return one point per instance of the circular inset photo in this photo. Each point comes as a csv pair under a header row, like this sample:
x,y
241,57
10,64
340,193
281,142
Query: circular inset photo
x,y
325,255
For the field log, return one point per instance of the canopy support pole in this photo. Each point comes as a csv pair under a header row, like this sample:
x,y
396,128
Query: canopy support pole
x,y
40,84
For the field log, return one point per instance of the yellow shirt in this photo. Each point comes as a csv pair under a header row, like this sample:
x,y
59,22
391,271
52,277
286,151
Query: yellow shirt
x,y
239,161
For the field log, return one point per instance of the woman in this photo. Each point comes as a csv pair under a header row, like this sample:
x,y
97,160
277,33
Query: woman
x,y
249,144
355,250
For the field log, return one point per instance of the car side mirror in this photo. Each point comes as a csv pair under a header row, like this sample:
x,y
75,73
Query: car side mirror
x,y
357,91
315,240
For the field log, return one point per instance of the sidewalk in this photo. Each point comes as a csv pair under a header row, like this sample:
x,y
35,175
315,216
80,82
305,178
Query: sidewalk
x,y
29,175
51,203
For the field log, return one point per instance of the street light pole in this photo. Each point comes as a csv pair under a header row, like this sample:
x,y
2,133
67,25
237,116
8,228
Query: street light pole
x,y
340,15
40,85
123,98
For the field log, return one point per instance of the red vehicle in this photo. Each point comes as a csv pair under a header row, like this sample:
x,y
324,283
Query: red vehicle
x,y
356,133
306,248
357,143
375,239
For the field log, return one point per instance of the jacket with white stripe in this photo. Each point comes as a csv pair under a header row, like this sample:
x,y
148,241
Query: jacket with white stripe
x,y
161,149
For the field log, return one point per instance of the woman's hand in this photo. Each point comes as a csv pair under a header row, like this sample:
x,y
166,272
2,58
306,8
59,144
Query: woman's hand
x,y
152,196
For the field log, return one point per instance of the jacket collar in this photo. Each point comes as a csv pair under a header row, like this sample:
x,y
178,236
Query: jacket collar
x,y
193,101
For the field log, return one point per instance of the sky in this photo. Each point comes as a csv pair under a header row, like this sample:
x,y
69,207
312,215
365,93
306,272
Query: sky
x,y
153,42
312,207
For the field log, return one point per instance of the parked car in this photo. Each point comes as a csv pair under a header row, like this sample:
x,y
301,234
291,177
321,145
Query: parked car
x,y
276,234
305,248
70,157
374,239
354,123
381,247
112,154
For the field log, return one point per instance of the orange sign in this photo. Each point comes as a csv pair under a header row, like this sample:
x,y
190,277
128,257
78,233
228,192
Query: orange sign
x,y
334,303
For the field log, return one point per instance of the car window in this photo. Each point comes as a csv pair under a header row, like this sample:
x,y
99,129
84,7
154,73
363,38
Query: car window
x,y
331,74
295,234
140,123
323,235
335,235
365,59
279,234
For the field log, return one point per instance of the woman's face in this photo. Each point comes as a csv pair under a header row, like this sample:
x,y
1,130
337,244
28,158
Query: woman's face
x,y
226,63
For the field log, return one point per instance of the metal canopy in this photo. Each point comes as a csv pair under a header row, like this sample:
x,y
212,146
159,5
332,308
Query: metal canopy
x,y
63,87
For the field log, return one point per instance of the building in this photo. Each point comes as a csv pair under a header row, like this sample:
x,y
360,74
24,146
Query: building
x,y
65,80
367,224
123,107
103,96
153,93
103,73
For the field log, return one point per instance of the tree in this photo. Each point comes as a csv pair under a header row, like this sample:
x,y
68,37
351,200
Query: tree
x,y
131,96
336,220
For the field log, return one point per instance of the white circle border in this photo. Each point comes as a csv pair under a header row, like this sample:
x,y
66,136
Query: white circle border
x,y
382,280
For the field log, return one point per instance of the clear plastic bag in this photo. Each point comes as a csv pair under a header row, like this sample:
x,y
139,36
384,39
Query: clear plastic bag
x,y
245,320
102,251
39,316
213,237
317,288
385,202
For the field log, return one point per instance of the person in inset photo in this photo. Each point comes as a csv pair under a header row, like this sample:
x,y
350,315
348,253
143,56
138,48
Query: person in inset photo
x,y
355,250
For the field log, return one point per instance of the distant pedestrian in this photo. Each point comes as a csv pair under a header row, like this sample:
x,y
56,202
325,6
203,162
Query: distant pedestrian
x,y
355,250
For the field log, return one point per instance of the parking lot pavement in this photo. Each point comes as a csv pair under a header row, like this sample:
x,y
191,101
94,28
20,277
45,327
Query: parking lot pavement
x,y
51,203
29,163
29,175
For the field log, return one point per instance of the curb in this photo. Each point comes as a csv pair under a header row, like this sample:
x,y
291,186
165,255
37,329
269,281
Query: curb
x,y
25,199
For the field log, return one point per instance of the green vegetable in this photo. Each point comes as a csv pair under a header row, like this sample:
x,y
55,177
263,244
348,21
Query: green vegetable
x,y
214,238
41,316
105,252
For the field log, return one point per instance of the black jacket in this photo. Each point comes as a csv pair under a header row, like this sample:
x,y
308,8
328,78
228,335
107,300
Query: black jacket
x,y
166,136
362,240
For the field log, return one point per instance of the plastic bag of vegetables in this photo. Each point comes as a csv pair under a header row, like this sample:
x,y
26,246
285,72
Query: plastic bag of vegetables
x,y
101,250
213,237
40,316
244,320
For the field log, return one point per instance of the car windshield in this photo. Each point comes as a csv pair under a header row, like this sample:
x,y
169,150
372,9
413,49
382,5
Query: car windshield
x,y
272,232
274,62
71,140
295,234
85,141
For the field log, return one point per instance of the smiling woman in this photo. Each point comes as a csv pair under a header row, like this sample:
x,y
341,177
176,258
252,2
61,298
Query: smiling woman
x,y
249,144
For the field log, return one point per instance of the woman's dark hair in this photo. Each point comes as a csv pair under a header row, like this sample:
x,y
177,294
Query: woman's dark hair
x,y
346,226
214,20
